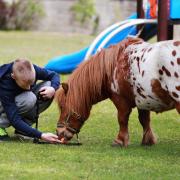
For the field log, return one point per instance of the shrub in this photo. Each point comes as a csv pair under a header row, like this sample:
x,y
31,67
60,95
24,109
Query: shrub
x,y
21,14
83,10
3,14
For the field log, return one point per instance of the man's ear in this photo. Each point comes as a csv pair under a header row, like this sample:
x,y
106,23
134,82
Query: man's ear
x,y
65,87
12,75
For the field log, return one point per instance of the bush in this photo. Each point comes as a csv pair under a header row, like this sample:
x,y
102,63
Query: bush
x,y
83,10
20,15
3,14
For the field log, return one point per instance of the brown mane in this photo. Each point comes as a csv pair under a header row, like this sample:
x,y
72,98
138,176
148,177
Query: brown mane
x,y
93,73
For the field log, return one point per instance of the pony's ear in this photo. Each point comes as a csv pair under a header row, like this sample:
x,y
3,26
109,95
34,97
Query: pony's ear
x,y
65,87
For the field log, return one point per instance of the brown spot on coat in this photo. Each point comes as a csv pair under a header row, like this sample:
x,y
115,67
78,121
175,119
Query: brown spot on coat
x,y
141,88
138,64
143,54
175,94
178,88
139,42
160,92
174,53
150,97
140,93
172,63
142,73
149,49
160,72
176,75
178,61
166,71
176,43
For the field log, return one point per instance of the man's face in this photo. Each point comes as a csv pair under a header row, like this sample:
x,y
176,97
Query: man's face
x,y
21,83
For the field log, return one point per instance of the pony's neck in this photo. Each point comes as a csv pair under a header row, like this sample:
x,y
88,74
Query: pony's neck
x,y
83,104
89,83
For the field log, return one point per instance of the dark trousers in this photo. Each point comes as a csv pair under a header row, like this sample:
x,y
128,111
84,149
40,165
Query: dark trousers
x,y
27,103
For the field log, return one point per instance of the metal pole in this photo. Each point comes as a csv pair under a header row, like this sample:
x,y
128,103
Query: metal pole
x,y
165,30
141,15
140,11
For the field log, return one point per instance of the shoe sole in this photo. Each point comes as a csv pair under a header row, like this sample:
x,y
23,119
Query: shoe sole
x,y
22,137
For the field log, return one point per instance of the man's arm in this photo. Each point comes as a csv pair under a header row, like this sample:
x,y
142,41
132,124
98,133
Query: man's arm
x,y
18,123
46,75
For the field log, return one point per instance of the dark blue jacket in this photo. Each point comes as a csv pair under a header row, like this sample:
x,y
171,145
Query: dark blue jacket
x,y
9,90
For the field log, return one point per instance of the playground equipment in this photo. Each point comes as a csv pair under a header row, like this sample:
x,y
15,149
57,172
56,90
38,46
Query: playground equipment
x,y
167,14
116,34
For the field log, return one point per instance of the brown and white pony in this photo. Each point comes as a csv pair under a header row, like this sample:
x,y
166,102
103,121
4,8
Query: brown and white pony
x,y
132,74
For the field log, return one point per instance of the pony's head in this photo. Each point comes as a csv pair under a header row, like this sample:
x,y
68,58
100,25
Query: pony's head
x,y
69,122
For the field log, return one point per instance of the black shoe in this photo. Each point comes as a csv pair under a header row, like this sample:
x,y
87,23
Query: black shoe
x,y
22,135
4,138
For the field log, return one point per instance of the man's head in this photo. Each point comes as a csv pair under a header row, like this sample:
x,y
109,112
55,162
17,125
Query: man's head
x,y
23,73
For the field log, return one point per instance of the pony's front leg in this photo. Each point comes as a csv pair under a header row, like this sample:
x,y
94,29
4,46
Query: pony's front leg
x,y
178,107
148,136
124,111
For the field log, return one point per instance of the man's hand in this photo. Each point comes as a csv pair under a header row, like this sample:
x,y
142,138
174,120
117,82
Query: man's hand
x,y
50,137
47,92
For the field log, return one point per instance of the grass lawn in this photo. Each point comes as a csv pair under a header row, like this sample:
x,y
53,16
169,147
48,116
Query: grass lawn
x,y
95,159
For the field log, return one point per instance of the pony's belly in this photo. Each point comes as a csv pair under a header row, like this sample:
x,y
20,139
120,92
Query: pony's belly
x,y
153,104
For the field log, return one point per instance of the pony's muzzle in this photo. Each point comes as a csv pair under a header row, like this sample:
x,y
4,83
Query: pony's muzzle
x,y
64,134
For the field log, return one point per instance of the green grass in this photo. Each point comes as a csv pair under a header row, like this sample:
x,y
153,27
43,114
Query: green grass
x,y
95,159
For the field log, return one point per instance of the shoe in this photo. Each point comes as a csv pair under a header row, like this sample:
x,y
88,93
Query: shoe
x,y
22,136
4,135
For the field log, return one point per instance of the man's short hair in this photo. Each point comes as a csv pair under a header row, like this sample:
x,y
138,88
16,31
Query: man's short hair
x,y
23,69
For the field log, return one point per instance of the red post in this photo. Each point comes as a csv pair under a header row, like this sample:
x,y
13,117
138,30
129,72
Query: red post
x,y
140,11
140,15
165,30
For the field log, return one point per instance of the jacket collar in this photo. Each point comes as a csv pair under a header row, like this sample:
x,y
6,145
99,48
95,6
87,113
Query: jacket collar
x,y
4,68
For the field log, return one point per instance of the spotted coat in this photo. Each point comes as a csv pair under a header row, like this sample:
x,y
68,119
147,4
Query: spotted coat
x,y
155,74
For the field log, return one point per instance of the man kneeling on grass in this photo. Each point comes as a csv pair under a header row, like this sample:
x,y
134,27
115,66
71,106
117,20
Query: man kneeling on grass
x,y
18,98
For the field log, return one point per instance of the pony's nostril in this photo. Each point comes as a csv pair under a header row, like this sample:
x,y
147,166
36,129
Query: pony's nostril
x,y
68,135
60,134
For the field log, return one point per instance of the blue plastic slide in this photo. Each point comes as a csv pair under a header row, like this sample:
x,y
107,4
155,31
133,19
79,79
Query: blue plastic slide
x,y
67,63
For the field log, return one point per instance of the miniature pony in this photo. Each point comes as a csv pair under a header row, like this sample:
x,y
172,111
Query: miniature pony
x,y
132,74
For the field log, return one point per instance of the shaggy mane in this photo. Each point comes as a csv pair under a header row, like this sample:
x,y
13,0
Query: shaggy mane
x,y
93,73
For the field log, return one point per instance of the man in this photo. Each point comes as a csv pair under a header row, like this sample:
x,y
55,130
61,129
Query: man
x,y
18,97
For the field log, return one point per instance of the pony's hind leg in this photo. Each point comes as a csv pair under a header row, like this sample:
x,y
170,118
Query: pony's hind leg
x,y
148,136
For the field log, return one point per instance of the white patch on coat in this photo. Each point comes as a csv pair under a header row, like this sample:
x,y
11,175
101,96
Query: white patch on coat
x,y
145,62
114,83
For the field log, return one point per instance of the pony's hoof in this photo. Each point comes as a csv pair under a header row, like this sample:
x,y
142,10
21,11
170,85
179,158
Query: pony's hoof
x,y
117,143
149,143
149,139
